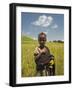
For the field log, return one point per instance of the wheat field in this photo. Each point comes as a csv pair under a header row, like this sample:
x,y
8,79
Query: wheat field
x,y
28,66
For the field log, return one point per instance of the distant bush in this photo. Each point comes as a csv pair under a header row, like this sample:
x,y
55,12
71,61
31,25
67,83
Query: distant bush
x,y
58,41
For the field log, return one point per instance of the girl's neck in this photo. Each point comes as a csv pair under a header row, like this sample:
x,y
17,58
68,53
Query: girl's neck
x,y
41,46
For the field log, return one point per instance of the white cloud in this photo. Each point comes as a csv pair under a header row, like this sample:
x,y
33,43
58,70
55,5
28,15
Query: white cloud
x,y
54,26
43,21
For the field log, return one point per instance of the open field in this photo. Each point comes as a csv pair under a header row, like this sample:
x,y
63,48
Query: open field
x,y
28,65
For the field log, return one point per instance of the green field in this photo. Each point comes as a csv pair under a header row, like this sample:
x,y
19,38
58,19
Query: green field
x,y
28,66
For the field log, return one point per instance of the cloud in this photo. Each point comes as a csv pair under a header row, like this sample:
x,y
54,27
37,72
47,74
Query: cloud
x,y
43,21
54,26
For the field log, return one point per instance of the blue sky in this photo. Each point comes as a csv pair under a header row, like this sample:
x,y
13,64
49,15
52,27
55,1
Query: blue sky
x,y
51,24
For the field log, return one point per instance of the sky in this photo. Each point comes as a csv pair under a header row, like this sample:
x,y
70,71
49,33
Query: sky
x,y
51,24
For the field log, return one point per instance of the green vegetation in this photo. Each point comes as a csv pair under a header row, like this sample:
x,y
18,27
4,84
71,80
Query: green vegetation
x,y
28,65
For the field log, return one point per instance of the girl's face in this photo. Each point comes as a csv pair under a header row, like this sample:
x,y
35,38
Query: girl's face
x,y
42,40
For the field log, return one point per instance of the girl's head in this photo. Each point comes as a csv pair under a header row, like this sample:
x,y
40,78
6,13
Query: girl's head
x,y
42,39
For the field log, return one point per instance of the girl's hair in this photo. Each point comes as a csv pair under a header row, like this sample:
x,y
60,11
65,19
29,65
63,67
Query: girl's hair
x,y
42,35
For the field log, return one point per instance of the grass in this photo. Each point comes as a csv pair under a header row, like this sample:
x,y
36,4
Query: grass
x,y
28,66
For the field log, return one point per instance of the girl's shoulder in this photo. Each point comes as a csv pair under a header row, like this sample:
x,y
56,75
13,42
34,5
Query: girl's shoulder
x,y
36,50
46,47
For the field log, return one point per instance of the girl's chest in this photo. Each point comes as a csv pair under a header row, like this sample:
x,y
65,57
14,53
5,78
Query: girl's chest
x,y
43,50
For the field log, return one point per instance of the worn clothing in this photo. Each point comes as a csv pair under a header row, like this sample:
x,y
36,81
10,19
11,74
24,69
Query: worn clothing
x,y
41,53
38,55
